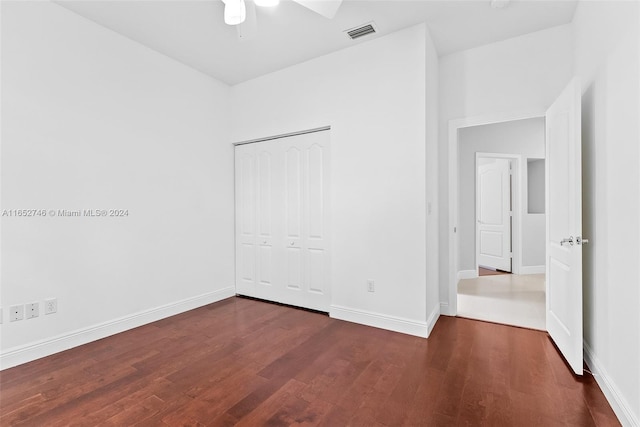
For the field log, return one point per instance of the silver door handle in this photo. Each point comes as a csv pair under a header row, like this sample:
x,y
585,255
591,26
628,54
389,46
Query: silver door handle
x,y
581,241
565,240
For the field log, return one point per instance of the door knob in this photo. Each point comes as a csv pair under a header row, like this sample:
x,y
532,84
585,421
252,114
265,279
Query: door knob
x,y
581,241
565,240
292,243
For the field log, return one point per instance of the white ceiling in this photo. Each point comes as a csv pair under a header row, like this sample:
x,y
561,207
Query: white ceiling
x,y
194,32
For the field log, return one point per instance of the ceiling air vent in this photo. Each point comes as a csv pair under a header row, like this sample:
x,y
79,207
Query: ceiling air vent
x,y
361,31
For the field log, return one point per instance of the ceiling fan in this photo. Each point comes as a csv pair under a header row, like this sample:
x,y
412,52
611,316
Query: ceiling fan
x,y
242,13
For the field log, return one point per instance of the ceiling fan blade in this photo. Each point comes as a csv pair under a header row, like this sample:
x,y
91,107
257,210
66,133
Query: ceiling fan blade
x,y
326,8
249,28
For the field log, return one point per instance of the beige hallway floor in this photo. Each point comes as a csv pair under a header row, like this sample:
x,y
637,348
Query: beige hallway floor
x,y
511,299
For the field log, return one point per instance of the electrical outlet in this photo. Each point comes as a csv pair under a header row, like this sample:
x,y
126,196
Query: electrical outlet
x,y
371,286
50,306
32,310
16,313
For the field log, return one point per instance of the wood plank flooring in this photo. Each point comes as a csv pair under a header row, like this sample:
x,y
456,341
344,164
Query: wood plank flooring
x,y
250,363
487,272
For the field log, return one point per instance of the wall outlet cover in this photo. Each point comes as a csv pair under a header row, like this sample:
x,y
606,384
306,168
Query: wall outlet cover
x,y
50,306
32,310
371,286
16,313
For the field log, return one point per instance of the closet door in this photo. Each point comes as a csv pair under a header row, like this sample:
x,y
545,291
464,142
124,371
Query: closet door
x,y
246,212
306,221
282,220
256,260
266,260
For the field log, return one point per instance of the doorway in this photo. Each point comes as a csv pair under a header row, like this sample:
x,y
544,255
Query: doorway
x,y
495,231
495,212
563,218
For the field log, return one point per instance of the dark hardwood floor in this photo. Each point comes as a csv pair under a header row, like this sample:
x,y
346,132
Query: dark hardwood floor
x,y
250,363
488,272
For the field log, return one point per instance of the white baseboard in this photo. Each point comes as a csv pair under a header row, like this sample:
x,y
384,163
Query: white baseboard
x,y
618,403
432,319
532,269
467,274
27,353
445,309
382,321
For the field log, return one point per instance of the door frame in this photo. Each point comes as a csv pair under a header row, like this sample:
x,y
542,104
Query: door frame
x,y
516,208
451,308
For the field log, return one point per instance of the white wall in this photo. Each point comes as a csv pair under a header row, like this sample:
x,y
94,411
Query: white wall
x,y
606,58
433,221
373,96
92,120
520,74
523,137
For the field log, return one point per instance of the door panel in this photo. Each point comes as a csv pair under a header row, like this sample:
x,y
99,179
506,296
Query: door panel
x,y
317,218
559,273
564,222
315,269
246,194
493,207
264,193
264,263
264,184
293,189
294,268
248,263
315,191
245,220
491,244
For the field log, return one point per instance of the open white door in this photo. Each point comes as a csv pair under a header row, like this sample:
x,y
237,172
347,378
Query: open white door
x,y
564,225
493,210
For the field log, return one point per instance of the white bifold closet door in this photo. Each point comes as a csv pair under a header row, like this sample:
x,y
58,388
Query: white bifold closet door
x,y
282,220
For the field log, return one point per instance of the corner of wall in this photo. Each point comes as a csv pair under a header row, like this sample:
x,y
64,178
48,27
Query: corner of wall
x,y
614,396
384,321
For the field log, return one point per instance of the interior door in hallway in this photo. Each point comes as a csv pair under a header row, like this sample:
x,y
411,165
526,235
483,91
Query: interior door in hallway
x,y
493,211
282,189
564,225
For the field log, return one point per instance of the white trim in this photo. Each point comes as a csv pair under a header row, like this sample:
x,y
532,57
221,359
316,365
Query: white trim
x,y
620,406
454,126
532,269
466,274
516,206
27,353
382,321
432,319
444,309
